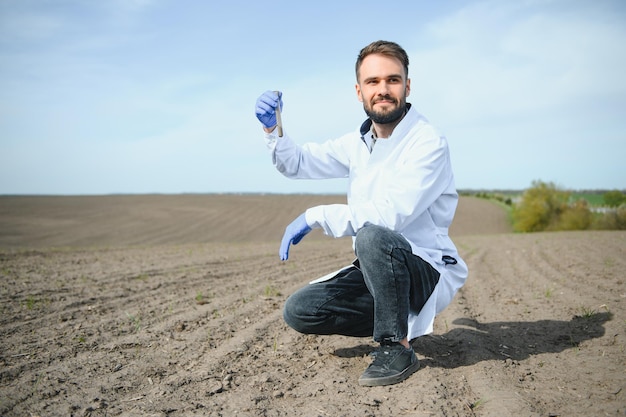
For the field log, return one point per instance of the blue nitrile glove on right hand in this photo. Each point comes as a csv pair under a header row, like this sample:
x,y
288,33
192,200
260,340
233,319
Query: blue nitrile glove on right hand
x,y
266,108
293,234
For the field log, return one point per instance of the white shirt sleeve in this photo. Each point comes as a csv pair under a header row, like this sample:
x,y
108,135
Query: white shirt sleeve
x,y
309,161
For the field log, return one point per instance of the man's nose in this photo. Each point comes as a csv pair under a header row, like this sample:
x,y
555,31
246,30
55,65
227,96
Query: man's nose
x,y
383,88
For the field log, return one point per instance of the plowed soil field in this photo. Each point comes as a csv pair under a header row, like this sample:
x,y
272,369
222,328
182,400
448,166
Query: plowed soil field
x,y
170,305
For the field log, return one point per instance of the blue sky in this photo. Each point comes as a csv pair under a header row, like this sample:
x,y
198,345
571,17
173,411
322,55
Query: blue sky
x,y
157,96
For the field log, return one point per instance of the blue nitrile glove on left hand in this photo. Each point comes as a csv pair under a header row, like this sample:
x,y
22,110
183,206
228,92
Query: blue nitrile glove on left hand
x,y
293,234
266,108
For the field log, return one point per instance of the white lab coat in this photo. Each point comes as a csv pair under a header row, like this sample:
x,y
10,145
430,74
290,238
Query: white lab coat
x,y
405,184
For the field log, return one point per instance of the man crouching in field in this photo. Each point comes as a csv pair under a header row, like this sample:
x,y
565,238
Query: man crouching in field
x,y
401,201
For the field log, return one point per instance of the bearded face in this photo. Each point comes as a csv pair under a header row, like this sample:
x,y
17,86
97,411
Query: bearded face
x,y
383,88
384,110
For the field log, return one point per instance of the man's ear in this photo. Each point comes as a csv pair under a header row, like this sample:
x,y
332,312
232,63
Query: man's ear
x,y
408,87
358,92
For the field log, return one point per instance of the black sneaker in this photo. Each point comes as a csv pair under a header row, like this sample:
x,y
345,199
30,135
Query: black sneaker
x,y
392,363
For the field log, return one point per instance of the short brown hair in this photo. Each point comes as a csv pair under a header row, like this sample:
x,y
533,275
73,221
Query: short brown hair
x,y
390,49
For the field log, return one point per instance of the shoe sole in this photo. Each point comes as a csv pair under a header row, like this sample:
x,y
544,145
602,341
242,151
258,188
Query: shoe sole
x,y
390,380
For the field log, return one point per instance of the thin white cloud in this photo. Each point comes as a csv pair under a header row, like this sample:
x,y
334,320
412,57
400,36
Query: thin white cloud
x,y
523,90
496,59
88,85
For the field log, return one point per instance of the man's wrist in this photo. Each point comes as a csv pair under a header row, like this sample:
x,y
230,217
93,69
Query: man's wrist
x,y
269,129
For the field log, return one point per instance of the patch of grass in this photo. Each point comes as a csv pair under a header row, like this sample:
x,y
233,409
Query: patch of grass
x,y
473,406
135,321
37,382
587,312
246,300
594,199
548,292
201,299
31,302
609,262
271,291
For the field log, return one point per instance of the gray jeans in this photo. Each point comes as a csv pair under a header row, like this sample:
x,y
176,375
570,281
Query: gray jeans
x,y
373,298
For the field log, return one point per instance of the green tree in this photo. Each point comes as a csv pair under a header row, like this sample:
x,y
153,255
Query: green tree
x,y
614,198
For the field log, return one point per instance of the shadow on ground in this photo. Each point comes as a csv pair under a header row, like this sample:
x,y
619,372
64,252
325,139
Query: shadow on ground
x,y
474,341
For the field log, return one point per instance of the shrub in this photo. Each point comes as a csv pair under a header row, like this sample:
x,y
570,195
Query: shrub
x,y
545,207
611,220
540,208
576,216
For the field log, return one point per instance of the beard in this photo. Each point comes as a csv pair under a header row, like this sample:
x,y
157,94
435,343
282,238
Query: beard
x,y
386,116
